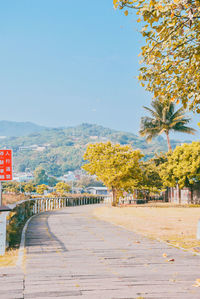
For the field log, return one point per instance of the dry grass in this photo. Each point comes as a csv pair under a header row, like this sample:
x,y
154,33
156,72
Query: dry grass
x,y
9,259
12,198
175,225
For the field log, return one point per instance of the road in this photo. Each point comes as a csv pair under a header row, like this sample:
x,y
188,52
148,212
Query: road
x,y
71,254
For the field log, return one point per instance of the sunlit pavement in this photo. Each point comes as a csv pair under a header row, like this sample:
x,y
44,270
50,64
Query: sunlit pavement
x,y
71,254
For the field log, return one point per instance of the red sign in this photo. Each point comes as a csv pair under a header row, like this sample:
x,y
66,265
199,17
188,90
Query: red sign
x,y
5,165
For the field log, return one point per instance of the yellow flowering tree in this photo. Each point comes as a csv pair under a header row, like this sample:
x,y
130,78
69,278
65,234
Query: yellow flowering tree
x,y
182,167
171,54
29,187
117,166
151,180
62,188
41,188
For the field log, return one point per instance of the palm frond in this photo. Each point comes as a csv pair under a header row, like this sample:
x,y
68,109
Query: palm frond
x,y
153,113
184,129
163,119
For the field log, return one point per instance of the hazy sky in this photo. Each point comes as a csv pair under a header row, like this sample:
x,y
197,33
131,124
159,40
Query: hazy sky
x,y
63,64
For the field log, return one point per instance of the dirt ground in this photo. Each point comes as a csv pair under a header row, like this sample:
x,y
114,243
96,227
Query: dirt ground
x,y
12,198
9,259
175,225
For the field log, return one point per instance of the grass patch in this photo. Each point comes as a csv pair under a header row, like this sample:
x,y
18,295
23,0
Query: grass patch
x,y
17,218
176,225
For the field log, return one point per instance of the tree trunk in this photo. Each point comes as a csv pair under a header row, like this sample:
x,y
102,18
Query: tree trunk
x,y
114,197
168,141
191,188
167,195
179,195
148,197
171,199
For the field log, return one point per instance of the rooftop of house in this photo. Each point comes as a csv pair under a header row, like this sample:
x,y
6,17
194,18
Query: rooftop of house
x,y
98,188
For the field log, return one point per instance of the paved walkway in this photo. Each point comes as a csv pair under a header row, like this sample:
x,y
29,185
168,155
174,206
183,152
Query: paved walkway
x,y
71,254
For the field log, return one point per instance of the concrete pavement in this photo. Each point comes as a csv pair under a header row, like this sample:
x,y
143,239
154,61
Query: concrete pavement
x,y
71,254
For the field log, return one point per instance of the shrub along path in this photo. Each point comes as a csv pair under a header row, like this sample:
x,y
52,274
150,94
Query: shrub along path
x,y
71,254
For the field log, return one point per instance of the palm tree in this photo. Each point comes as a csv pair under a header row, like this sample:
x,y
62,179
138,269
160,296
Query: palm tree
x,y
164,119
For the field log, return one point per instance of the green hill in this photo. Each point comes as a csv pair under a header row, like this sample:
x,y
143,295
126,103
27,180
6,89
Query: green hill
x,y
61,149
12,128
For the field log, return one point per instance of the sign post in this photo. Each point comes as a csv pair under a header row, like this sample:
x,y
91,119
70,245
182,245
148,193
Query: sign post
x,y
5,175
5,168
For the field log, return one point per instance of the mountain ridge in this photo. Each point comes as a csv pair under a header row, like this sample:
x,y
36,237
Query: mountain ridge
x,y
59,150
16,129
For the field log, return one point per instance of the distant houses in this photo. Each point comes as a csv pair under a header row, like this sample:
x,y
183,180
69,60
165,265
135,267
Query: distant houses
x,y
34,147
23,177
98,190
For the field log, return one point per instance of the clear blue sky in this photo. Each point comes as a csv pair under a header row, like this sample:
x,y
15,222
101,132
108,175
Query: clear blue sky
x,y
66,62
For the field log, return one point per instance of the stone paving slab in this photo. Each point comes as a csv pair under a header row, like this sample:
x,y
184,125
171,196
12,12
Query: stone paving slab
x,y
11,283
71,254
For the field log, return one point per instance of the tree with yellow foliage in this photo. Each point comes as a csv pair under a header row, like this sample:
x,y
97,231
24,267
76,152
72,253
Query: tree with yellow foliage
x,y
62,188
117,166
29,187
171,54
41,188
182,167
151,180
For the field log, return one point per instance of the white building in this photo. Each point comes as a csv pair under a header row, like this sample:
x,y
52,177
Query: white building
x,y
98,190
23,177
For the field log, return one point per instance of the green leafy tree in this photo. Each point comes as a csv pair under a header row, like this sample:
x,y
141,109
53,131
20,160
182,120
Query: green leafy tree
x,y
182,167
117,166
62,188
164,119
40,176
52,181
